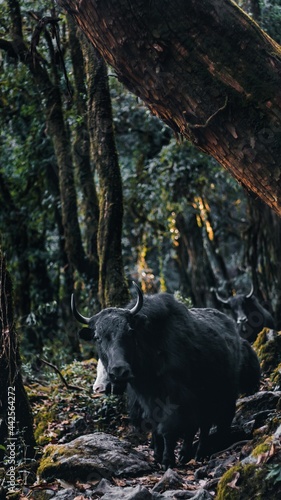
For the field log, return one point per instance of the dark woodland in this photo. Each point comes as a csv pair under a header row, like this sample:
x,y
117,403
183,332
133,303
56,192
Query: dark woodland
x,y
112,172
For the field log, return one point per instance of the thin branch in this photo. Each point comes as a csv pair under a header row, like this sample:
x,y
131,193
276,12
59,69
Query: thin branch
x,y
67,385
230,448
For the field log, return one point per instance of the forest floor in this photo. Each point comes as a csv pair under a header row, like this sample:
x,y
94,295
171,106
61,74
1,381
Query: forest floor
x,y
65,408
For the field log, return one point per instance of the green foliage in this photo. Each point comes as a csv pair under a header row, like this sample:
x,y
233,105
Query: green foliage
x,y
274,473
185,300
270,18
61,414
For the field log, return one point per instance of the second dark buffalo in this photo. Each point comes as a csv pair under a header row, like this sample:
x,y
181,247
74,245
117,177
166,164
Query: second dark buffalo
x,y
182,367
250,315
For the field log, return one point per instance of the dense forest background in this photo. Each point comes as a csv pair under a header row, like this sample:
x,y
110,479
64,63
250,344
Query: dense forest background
x,y
70,189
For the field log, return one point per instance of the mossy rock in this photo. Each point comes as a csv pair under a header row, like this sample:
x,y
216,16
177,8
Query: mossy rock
x,y
92,457
268,349
258,476
263,447
275,378
251,481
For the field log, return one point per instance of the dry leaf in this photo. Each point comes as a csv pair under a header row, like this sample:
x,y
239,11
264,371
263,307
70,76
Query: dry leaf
x,y
232,483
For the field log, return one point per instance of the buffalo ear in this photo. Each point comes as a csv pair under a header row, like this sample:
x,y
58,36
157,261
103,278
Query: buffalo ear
x,y
86,334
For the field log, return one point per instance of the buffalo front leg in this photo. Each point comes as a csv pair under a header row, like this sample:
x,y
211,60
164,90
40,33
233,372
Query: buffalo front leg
x,y
170,441
157,444
202,449
187,450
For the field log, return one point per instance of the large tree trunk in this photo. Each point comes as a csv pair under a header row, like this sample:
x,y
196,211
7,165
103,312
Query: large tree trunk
x,y
16,423
207,69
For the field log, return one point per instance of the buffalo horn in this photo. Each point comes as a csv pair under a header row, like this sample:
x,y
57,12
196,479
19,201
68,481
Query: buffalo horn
x,y
220,299
251,292
139,303
76,314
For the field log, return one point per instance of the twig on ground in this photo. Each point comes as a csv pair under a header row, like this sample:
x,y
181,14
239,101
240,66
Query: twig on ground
x,y
67,385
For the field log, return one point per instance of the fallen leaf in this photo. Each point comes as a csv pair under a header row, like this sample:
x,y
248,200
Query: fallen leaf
x,y
232,483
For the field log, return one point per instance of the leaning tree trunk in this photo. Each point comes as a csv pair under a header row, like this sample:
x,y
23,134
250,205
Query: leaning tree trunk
x,y
16,423
113,289
207,69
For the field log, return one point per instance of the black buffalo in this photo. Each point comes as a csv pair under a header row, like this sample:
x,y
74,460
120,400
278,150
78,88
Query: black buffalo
x,y
249,376
183,367
250,315
250,372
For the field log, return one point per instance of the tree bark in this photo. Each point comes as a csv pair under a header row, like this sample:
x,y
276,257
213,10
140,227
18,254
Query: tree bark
x,y
206,69
13,398
193,259
113,289
81,146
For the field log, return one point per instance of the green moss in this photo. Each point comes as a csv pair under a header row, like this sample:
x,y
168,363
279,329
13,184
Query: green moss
x,y
52,456
268,351
275,378
263,447
260,340
237,479
45,463
42,420
243,482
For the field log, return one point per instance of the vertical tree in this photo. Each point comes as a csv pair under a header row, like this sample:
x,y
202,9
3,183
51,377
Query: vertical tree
x,y
82,146
11,384
113,289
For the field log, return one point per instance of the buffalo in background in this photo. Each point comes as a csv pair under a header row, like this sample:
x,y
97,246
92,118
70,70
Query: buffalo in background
x,y
183,368
250,315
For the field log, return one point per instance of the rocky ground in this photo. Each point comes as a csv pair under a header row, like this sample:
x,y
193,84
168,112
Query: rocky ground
x,y
87,449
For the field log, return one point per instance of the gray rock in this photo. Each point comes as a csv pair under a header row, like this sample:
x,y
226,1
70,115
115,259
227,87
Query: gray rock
x,y
178,494
202,495
67,494
170,480
92,457
128,493
109,492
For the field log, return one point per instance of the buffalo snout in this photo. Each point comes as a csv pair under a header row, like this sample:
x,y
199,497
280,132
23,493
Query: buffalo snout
x,y
120,373
241,320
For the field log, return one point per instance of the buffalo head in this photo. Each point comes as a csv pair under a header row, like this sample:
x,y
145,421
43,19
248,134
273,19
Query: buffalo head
x,y
250,315
113,330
